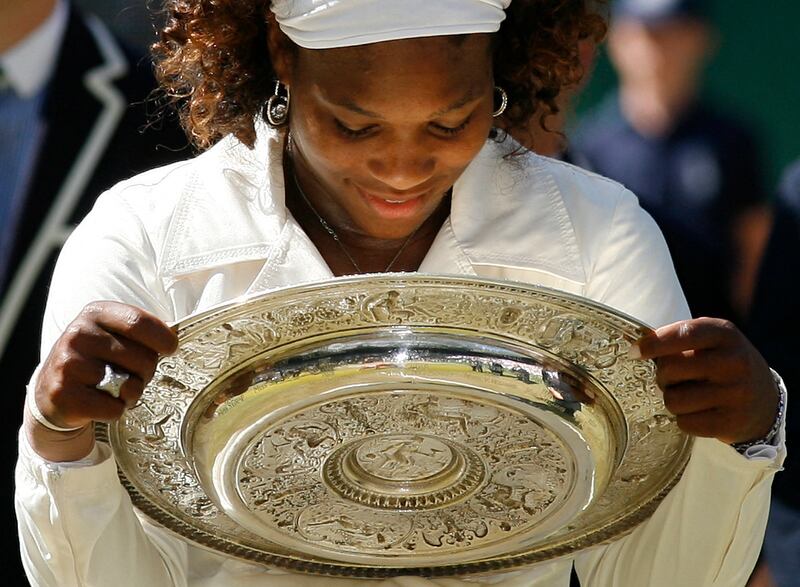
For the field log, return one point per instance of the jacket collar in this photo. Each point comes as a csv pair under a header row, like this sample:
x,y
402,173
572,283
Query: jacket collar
x,y
487,223
231,210
485,227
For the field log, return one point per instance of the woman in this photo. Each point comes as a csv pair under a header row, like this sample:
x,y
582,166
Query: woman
x,y
374,157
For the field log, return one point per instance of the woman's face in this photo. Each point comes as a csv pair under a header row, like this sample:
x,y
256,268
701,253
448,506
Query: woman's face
x,y
380,132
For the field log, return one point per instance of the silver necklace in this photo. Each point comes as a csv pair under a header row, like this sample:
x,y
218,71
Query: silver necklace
x,y
329,229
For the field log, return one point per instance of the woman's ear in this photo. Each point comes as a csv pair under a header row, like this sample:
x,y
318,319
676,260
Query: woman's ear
x,y
281,50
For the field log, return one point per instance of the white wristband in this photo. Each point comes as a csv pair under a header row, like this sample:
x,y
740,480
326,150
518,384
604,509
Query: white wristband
x,y
39,417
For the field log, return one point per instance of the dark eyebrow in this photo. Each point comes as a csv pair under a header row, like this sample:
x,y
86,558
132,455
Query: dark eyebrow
x,y
353,107
460,103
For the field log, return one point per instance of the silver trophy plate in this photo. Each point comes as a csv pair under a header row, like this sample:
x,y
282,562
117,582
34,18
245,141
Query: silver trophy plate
x,y
402,424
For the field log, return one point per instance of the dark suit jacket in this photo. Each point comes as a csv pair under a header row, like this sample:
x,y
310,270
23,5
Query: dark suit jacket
x,y
775,318
95,136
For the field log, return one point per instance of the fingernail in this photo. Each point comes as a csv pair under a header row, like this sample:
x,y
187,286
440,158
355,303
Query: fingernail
x,y
634,352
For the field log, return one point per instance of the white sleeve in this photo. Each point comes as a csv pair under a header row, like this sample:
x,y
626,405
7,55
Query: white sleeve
x,y
78,528
708,530
77,525
109,256
633,270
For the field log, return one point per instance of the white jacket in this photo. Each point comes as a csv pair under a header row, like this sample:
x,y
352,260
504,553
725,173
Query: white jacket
x,y
187,237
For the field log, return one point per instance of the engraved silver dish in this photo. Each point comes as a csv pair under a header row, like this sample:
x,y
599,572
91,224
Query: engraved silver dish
x,y
402,424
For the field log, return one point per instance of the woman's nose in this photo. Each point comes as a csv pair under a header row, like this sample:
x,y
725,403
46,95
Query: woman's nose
x,y
403,167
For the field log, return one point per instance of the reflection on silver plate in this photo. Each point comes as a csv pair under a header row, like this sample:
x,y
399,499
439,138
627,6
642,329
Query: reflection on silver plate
x,y
402,424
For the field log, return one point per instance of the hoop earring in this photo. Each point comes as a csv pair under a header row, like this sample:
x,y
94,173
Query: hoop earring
x,y
503,101
278,105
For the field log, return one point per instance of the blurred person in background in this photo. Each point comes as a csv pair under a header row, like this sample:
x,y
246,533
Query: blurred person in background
x,y
696,170
68,131
773,325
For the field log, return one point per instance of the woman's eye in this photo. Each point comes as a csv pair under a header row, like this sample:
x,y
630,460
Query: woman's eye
x,y
353,133
452,130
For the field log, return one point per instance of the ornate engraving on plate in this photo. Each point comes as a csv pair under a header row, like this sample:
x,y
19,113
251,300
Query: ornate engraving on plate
x,y
419,485
403,471
403,457
358,528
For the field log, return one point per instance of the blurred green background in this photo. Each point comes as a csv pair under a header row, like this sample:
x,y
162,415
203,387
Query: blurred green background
x,y
755,74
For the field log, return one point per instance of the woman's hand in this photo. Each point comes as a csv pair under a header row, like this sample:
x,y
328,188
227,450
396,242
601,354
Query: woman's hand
x,y
715,382
125,337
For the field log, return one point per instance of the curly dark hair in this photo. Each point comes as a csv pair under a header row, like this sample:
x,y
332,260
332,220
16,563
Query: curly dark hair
x,y
212,61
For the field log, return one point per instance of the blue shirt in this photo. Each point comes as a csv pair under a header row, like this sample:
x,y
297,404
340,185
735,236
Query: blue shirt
x,y
789,190
21,129
694,180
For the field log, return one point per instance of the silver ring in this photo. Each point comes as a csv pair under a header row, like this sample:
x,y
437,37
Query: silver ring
x,y
112,381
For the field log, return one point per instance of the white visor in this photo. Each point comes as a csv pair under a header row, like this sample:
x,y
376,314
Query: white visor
x,y
324,24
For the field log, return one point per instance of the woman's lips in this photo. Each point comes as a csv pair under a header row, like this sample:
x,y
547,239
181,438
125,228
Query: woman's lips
x,y
393,207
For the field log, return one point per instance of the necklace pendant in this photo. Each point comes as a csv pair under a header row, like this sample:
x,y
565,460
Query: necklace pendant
x,y
332,232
